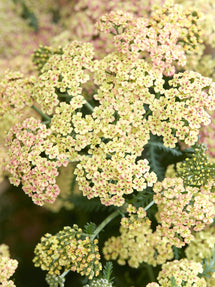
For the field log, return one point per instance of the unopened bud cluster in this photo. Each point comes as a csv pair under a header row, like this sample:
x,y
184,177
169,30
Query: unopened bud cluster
x,y
69,249
42,54
197,170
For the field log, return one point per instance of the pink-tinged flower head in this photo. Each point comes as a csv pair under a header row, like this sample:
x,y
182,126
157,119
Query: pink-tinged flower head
x,y
7,267
182,209
31,163
182,272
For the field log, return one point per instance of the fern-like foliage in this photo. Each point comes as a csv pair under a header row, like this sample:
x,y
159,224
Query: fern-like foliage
x,y
89,228
154,160
107,271
173,151
141,198
177,252
208,266
28,15
92,205
160,157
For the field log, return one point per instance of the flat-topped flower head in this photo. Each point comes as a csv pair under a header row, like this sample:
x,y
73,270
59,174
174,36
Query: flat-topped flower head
x,y
182,209
33,160
15,93
153,37
63,75
182,272
7,267
137,242
111,177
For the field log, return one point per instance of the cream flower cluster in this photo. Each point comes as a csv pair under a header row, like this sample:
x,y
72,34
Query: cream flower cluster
x,y
7,267
133,100
63,75
207,9
15,93
112,178
132,104
127,86
137,242
28,146
203,247
182,273
183,209
154,36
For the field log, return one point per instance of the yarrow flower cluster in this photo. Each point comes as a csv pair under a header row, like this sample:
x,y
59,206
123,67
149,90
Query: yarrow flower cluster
x,y
180,273
182,209
135,91
154,35
15,93
112,178
202,246
28,145
206,8
133,102
201,249
7,267
207,136
69,249
137,242
63,75
80,23
99,118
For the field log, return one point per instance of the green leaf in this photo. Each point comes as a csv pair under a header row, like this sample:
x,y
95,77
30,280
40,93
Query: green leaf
x,y
173,151
173,282
89,228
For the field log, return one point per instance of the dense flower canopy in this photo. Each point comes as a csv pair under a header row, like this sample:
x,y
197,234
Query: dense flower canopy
x,y
102,114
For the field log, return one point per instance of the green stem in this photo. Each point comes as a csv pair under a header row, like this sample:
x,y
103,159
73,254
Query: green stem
x,y
149,205
89,106
147,113
65,96
64,273
41,113
104,223
150,272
